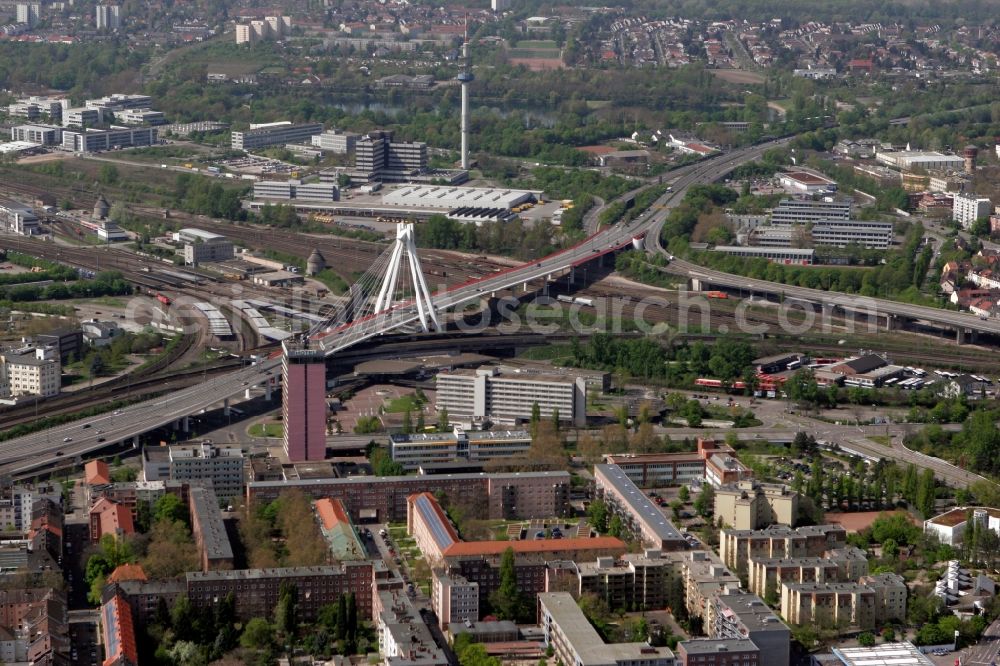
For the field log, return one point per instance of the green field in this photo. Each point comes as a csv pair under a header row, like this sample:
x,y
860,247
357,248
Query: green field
x,y
266,430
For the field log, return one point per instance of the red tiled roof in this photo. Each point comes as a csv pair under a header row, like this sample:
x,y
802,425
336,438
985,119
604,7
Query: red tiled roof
x,y
127,572
535,546
331,512
97,473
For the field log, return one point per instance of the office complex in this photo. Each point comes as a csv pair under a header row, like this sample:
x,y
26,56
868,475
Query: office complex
x,y
640,516
336,141
274,134
295,189
201,246
221,466
120,102
872,235
750,505
108,17
303,403
36,108
967,208
378,158
908,160
502,395
43,135
744,616
801,211
575,641
82,116
413,451
93,141
509,496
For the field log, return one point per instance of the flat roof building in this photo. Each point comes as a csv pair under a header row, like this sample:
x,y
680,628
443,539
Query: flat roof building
x,y
449,198
415,450
641,517
94,141
214,549
738,547
338,530
275,134
508,395
576,643
718,652
508,495
908,160
221,466
43,135
803,182
887,654
751,505
745,616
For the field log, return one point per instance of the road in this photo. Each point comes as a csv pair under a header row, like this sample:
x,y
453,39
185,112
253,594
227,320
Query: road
x,y
984,653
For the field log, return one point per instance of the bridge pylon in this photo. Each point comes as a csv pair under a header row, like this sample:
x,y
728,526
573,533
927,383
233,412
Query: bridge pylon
x,y
405,251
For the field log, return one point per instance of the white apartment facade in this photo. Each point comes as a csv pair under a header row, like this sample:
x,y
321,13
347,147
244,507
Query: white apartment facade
x,y
967,208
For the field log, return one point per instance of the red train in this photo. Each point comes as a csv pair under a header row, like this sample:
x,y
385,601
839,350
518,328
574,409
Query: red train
x,y
717,294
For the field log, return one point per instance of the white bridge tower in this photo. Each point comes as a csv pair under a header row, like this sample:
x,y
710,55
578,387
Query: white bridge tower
x,y
406,249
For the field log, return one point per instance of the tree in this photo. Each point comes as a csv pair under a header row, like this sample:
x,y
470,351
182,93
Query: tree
x,y
407,422
258,635
866,639
597,512
507,602
421,426
536,416
170,508
616,528
443,424
704,504
683,494
286,611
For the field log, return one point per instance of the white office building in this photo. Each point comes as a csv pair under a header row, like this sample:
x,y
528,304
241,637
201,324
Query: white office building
x,y
120,102
274,134
83,116
908,160
503,395
336,141
414,450
967,208
36,108
221,465
92,141
295,189
201,246
35,372
43,135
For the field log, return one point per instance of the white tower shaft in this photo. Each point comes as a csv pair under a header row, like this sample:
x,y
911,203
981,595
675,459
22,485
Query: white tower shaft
x,y
405,247
465,124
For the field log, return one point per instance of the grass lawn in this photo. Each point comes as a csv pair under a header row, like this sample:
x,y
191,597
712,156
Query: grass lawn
x,y
537,44
408,402
266,430
880,439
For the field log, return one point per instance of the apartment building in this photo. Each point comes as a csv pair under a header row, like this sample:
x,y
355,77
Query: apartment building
x,y
43,135
738,547
751,505
214,549
766,574
635,580
404,639
93,141
705,577
711,461
744,616
511,496
336,527
274,134
576,643
108,17
272,27
837,605
36,372
967,208
110,518
453,598
890,596
440,543
508,395
118,629
414,450
640,516
256,590
221,466
717,652
28,13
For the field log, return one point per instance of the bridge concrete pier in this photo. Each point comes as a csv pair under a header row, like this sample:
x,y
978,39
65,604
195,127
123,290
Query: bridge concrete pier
x,y
572,275
890,322
225,408
186,424
695,284
959,336
267,389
